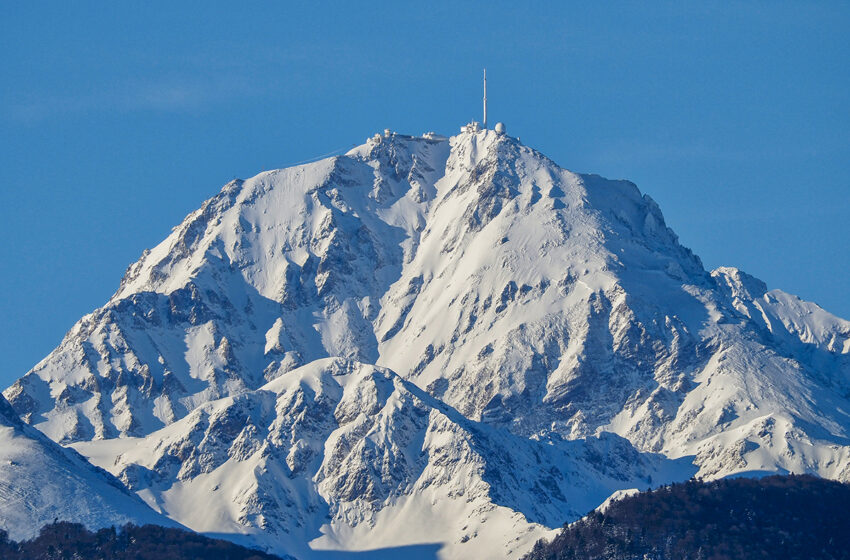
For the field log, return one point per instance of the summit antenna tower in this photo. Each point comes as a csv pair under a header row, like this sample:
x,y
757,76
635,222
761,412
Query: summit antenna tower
x,y
485,99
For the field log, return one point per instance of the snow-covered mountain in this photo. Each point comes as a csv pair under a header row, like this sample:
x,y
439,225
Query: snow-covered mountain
x,y
342,455
426,335
41,481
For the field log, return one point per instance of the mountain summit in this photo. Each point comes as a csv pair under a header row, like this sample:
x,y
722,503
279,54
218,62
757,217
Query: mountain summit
x,y
446,342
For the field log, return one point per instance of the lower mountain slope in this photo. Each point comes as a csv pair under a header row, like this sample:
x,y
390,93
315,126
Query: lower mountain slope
x,y
40,482
773,518
342,455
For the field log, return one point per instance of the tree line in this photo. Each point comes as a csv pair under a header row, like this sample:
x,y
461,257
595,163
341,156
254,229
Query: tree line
x,y
72,541
773,518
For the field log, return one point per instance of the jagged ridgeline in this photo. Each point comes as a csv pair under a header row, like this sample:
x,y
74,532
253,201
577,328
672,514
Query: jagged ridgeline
x,y
443,342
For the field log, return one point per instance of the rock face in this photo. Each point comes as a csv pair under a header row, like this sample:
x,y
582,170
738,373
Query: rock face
x,y
325,352
349,455
41,481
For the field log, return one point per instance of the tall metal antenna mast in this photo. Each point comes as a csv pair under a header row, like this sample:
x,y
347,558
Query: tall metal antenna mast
x,y
485,98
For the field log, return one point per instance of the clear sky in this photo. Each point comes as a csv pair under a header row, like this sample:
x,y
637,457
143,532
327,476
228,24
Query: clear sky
x,y
119,118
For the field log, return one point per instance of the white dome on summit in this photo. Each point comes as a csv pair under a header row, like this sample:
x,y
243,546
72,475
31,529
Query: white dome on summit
x,y
500,128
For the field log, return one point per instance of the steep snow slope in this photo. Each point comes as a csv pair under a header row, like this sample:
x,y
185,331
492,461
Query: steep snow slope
x,y
272,273
344,455
552,302
534,290
537,305
40,481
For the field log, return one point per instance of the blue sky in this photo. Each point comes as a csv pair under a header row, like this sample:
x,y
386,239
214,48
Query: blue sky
x,y
118,119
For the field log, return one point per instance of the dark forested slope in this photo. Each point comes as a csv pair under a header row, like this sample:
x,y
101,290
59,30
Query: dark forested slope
x,y
778,517
72,541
